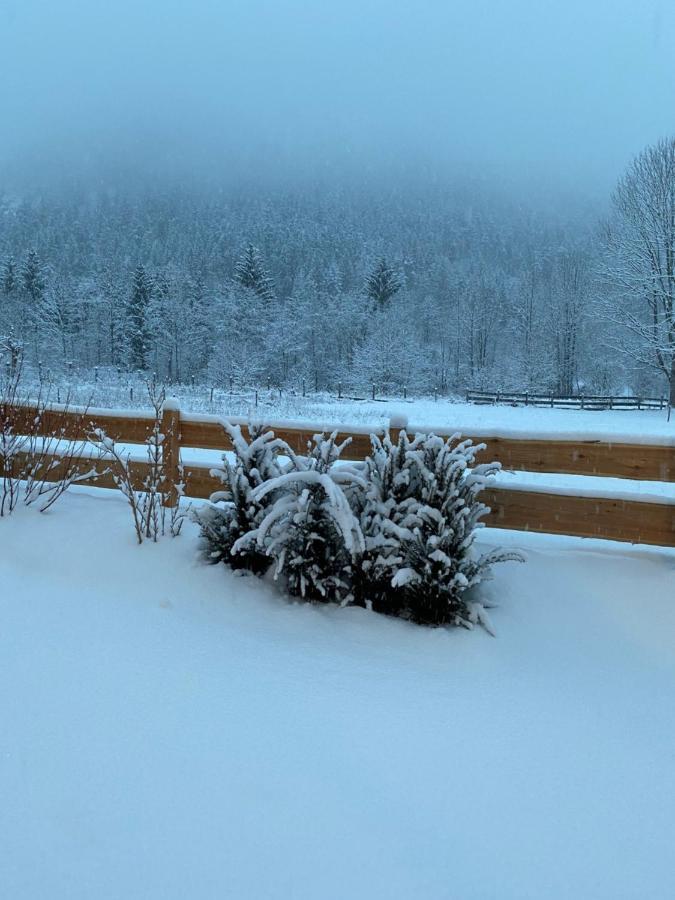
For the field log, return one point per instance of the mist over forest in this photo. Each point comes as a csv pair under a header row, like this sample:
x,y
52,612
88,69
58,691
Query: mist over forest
x,y
370,194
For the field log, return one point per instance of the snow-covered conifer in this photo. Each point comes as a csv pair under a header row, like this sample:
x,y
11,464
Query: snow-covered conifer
x,y
137,318
32,277
419,520
310,529
236,510
382,284
250,272
8,278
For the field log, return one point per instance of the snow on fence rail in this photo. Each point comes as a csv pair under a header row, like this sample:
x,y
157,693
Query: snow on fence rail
x,y
581,401
554,511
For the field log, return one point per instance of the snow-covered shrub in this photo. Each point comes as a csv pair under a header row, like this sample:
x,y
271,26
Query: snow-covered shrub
x,y
236,511
394,533
310,529
39,461
148,497
419,520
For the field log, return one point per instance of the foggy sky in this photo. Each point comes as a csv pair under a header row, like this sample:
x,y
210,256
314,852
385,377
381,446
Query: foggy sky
x,y
566,90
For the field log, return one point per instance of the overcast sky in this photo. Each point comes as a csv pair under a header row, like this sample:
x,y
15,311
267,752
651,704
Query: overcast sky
x,y
568,89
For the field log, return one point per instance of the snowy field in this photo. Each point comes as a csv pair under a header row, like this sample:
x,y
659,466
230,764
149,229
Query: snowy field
x,y
171,730
326,409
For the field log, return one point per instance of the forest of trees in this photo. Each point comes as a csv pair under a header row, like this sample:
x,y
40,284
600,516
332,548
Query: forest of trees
x,y
420,288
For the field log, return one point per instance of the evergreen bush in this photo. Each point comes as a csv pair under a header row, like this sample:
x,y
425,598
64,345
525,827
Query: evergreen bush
x,y
310,529
235,511
394,534
420,518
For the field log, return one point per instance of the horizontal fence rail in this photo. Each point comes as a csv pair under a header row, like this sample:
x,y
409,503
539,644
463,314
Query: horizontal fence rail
x,y
581,401
512,507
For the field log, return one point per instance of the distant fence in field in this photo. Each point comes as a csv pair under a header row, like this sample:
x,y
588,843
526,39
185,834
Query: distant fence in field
x,y
551,510
581,401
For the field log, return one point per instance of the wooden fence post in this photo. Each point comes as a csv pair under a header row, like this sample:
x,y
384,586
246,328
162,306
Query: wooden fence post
x,y
397,424
171,450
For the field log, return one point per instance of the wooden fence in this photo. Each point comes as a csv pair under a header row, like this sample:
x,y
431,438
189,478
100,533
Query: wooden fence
x,y
514,507
580,401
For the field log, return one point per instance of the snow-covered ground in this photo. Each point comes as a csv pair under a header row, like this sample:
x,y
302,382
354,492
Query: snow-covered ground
x,y
170,730
326,409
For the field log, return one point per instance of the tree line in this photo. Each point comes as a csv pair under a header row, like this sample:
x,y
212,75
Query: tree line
x,y
425,289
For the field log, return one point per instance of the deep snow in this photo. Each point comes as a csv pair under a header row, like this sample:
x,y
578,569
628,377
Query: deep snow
x,y
171,730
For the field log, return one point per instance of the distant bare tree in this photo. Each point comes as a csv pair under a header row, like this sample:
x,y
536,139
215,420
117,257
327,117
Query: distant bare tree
x,y
567,301
640,260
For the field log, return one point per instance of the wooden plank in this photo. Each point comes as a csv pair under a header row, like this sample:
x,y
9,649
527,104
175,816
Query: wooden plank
x,y
596,517
55,467
299,439
74,425
199,483
203,435
644,462
620,520
212,436
600,517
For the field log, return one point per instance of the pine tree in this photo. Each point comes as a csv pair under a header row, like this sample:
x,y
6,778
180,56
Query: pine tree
x,y
382,284
198,337
55,315
9,277
32,277
310,529
419,519
138,334
250,272
234,511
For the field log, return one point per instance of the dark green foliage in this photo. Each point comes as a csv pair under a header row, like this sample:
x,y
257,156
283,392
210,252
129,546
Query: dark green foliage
x,y
420,517
382,284
32,277
138,330
250,272
235,511
394,534
9,275
310,531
